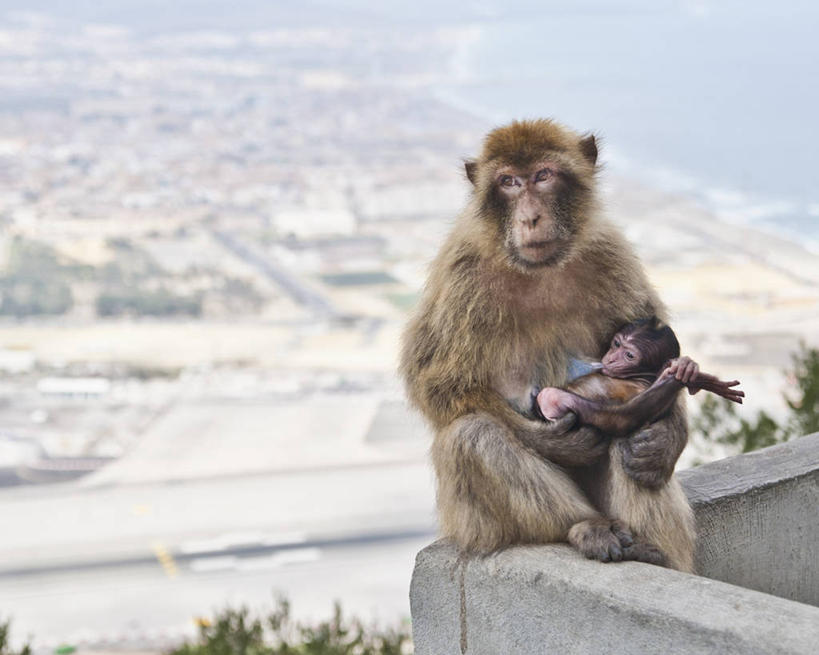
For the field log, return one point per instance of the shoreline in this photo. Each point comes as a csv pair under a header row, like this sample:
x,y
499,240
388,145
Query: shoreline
x,y
727,204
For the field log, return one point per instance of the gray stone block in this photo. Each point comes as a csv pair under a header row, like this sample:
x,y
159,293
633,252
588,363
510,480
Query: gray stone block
x,y
758,519
759,524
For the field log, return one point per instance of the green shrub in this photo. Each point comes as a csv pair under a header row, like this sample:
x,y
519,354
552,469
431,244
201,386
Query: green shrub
x,y
237,632
719,421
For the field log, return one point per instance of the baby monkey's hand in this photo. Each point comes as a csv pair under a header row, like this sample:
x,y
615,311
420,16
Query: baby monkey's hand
x,y
683,369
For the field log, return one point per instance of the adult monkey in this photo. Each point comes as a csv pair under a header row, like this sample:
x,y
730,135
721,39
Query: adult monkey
x,y
529,276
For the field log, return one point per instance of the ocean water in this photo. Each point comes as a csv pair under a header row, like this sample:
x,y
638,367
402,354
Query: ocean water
x,y
717,100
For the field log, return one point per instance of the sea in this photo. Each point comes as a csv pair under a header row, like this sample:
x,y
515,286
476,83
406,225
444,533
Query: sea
x,y
715,100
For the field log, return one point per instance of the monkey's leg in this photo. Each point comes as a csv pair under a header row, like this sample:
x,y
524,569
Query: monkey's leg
x,y
661,520
493,492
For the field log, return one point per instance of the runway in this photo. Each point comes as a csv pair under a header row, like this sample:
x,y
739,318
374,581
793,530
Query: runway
x,y
135,566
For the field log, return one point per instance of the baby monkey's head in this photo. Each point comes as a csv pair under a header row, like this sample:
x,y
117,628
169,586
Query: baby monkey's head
x,y
640,348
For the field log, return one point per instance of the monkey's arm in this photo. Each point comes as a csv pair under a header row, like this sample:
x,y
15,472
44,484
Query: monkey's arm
x,y
563,441
449,376
560,442
648,457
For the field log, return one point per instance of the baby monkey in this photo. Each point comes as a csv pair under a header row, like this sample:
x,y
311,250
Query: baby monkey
x,y
644,354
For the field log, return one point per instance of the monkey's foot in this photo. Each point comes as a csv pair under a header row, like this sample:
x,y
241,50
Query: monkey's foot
x,y
648,553
601,539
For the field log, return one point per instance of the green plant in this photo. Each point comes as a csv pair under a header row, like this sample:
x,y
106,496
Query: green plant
x,y
804,418
5,646
236,632
719,421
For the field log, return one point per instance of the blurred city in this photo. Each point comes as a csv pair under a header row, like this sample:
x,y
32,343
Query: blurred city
x,y
209,242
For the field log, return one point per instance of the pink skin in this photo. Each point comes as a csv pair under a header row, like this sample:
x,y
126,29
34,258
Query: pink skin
x,y
554,402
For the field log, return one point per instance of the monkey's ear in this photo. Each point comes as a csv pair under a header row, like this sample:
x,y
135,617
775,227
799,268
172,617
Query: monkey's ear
x,y
471,168
588,146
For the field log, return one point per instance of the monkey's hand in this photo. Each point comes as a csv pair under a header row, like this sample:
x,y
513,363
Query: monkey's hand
x,y
561,442
683,369
649,456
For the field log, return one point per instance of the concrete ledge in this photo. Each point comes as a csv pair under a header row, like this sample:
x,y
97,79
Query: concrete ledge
x,y
548,599
759,522
758,519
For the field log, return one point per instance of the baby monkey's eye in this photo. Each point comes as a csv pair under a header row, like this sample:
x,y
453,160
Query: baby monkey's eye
x,y
544,174
629,354
616,343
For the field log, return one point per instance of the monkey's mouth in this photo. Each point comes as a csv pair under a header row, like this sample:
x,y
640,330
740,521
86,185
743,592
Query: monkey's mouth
x,y
541,252
539,245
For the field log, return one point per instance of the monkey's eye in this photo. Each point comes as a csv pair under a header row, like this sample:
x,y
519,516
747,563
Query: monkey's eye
x,y
544,174
616,343
629,354
507,180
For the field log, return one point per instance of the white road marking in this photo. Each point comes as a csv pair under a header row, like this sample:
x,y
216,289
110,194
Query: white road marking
x,y
236,539
297,556
274,561
208,564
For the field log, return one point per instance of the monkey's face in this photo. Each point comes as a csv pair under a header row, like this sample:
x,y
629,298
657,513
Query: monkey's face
x,y
534,204
534,183
623,357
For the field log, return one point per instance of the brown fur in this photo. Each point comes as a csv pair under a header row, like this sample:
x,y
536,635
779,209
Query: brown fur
x,y
599,387
487,330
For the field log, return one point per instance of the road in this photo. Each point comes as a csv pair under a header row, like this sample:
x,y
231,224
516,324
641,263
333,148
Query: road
x,y
132,566
315,302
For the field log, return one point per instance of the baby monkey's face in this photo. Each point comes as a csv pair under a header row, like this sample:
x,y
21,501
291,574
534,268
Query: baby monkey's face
x,y
622,358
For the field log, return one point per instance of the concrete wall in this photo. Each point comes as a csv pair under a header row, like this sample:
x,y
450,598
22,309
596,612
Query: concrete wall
x,y
759,520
